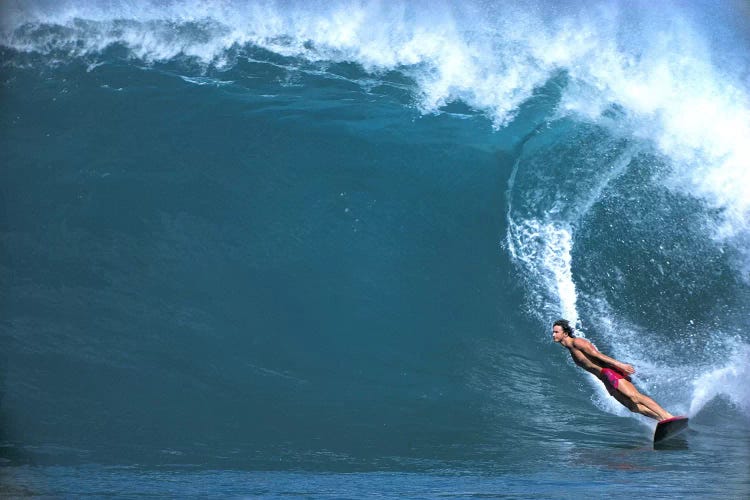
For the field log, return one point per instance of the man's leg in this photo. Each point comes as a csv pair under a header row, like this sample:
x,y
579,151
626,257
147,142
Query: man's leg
x,y
637,402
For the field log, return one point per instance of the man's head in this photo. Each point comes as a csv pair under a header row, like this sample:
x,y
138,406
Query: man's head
x,y
560,329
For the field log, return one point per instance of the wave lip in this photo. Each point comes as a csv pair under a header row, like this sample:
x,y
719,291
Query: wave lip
x,y
430,45
659,65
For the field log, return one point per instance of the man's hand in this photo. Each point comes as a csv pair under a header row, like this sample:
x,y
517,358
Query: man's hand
x,y
627,369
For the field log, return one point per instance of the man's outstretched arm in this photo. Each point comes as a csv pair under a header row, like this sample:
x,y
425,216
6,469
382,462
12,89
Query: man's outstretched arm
x,y
588,348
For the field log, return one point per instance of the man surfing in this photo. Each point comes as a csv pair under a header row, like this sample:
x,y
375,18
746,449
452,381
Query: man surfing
x,y
614,374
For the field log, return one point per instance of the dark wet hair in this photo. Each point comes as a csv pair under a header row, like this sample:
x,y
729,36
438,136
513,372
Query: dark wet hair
x,y
565,325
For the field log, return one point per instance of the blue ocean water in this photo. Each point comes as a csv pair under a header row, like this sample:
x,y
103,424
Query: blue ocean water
x,y
314,249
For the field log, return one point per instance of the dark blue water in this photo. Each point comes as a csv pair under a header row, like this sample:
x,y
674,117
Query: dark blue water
x,y
284,250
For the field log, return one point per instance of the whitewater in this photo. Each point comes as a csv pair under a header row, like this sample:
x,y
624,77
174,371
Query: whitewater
x,y
282,248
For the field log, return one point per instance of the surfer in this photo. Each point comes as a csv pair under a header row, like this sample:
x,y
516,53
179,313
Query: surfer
x,y
614,374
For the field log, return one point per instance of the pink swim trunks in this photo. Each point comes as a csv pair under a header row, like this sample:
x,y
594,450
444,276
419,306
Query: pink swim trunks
x,y
613,377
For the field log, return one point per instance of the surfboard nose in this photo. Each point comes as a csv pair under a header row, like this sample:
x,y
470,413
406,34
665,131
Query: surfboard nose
x,y
669,428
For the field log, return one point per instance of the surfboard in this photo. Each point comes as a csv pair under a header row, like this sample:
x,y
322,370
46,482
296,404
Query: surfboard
x,y
669,428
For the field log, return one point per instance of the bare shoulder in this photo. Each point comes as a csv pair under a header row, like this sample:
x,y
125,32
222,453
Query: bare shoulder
x,y
582,344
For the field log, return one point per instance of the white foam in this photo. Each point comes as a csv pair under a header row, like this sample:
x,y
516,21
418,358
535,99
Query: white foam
x,y
729,381
202,80
688,108
544,252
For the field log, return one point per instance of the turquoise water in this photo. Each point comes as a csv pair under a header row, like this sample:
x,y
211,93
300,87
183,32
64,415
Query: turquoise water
x,y
281,249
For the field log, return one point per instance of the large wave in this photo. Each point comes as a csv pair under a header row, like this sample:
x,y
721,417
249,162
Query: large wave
x,y
652,110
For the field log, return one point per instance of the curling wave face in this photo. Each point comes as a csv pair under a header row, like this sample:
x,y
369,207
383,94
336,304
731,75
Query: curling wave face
x,y
655,65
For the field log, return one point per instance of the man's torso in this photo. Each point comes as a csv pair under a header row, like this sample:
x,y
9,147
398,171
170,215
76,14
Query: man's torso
x,y
584,361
